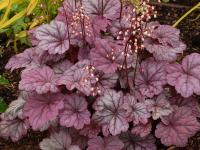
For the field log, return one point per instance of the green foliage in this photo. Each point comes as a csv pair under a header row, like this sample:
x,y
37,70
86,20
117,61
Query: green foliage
x,y
3,80
19,16
166,1
3,105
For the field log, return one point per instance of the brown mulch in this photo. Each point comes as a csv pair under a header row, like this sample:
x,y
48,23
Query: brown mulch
x,y
190,32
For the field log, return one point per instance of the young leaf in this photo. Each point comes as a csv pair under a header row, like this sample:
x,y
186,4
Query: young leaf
x,y
3,105
3,80
159,106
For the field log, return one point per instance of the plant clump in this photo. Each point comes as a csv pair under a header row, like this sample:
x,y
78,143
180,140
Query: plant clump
x,y
102,75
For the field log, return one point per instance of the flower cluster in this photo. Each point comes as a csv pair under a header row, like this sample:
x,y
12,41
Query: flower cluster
x,y
102,76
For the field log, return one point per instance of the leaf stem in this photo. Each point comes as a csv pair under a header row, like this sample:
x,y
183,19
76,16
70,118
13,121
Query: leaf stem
x,y
186,14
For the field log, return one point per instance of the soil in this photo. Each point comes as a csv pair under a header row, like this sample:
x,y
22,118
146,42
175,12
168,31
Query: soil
x,y
190,33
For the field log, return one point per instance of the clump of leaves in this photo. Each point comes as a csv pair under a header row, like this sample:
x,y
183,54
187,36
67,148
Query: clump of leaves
x,y
102,76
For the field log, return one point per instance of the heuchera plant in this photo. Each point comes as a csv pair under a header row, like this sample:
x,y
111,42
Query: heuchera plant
x,y
102,76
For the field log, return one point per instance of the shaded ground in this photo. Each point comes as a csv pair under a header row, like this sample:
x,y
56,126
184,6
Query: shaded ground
x,y
190,32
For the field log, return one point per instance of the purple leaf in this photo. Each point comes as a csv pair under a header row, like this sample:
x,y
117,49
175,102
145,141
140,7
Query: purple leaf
x,y
83,53
15,107
77,77
110,9
190,102
119,27
61,67
110,112
151,77
15,129
78,139
53,37
164,43
135,111
46,58
176,128
41,80
43,108
27,59
75,113
142,129
58,141
65,13
159,106
100,24
91,130
107,143
32,37
104,82
185,77
108,55
103,56
134,142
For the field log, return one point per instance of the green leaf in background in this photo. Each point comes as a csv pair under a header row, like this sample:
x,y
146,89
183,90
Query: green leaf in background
x,y
3,105
3,80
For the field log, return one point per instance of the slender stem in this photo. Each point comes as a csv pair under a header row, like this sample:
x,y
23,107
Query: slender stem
x,y
102,8
67,24
121,9
126,67
135,68
169,5
186,14
47,10
15,45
